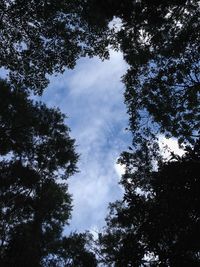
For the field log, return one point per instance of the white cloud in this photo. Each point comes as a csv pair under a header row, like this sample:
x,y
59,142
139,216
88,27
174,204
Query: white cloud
x,y
120,169
168,145
93,75
92,97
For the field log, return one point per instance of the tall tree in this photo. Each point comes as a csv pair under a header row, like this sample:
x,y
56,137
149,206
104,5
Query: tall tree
x,y
37,157
38,38
159,226
157,223
160,42
73,251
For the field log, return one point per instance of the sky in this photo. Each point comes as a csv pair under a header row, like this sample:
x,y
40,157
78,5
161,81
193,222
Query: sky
x,y
91,96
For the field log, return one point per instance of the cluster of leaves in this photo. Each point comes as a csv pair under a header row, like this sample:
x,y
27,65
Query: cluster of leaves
x,y
42,37
73,251
160,42
159,226
157,223
37,156
167,83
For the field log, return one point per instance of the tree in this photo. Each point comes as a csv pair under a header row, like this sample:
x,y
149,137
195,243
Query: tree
x,y
160,42
157,223
37,157
159,226
39,38
73,251
162,83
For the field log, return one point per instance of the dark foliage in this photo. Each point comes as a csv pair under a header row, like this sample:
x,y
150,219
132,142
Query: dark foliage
x,y
160,42
159,226
157,223
43,37
73,251
37,157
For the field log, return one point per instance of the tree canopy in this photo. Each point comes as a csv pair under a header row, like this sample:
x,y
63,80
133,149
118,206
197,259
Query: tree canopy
x,y
74,250
158,227
38,38
160,42
157,223
37,157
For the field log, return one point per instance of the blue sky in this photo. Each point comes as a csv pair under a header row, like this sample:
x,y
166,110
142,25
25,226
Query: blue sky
x,y
92,97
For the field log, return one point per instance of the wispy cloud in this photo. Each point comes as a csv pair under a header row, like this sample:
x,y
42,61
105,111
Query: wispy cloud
x,y
168,146
92,97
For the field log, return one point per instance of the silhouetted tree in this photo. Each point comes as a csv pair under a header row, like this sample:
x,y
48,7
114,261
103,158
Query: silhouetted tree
x,y
42,37
158,226
74,250
160,42
155,223
37,157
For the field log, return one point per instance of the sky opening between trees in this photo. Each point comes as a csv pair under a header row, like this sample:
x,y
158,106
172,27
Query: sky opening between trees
x,y
156,220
